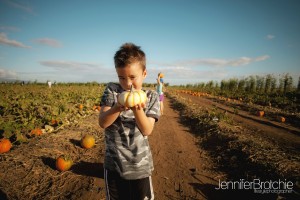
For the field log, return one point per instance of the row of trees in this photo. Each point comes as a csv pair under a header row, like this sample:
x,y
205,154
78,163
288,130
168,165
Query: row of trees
x,y
280,92
254,84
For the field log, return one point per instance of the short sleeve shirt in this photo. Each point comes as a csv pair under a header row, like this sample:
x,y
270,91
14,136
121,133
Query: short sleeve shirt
x,y
159,88
127,151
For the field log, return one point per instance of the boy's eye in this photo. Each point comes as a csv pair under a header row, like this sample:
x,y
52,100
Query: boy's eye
x,y
131,78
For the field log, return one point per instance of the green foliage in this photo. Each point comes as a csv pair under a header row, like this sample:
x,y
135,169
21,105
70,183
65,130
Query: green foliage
x,y
263,90
26,107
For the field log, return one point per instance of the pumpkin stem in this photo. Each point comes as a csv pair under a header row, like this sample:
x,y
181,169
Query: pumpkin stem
x,y
131,88
67,157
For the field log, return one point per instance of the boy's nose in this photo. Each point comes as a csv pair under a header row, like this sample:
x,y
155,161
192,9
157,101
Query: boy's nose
x,y
129,83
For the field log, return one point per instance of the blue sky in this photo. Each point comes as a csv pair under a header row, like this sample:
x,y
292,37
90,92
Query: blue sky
x,y
189,41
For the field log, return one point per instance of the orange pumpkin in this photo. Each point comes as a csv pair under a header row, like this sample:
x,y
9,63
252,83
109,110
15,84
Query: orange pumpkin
x,y
261,113
63,163
281,119
54,122
5,145
96,108
36,132
132,98
80,106
87,141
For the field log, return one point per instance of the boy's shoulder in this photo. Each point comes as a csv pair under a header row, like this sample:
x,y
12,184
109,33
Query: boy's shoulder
x,y
114,87
150,92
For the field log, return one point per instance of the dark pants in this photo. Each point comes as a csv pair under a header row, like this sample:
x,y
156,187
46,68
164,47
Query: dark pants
x,y
118,188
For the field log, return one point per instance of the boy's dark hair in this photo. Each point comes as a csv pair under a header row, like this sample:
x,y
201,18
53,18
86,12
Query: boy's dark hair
x,y
129,53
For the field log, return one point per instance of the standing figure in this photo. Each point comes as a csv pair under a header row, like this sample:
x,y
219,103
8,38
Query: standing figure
x,y
128,163
159,89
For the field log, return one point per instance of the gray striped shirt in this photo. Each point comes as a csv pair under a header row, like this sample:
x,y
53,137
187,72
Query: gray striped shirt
x,y
127,151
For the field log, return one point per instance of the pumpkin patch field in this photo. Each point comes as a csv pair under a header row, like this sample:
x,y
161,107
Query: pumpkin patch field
x,y
34,109
54,148
43,128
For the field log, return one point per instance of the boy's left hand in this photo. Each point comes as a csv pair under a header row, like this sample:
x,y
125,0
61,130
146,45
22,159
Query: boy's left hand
x,y
139,106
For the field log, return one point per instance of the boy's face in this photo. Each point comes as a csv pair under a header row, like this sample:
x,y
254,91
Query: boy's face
x,y
132,74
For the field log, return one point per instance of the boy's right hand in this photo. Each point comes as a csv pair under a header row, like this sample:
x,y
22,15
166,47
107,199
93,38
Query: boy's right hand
x,y
121,107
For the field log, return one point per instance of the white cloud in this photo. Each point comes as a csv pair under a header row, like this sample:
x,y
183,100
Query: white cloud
x,y
8,74
9,42
184,75
270,37
261,58
70,65
9,28
20,6
49,42
215,62
70,71
189,71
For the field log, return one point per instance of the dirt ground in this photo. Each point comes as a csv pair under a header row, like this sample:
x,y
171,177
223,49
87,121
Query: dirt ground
x,y
182,169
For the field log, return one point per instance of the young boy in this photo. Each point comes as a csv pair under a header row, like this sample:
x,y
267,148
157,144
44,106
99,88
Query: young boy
x,y
128,160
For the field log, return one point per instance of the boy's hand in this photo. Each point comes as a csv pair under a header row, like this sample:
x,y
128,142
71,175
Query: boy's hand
x,y
120,107
139,106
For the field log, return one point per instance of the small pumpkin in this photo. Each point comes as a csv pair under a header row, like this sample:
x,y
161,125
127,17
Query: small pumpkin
x,y
5,145
87,141
96,108
54,122
80,106
36,132
132,98
261,113
63,163
281,119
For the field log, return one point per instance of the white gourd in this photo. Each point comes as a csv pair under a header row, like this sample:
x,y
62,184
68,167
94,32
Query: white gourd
x,y
132,98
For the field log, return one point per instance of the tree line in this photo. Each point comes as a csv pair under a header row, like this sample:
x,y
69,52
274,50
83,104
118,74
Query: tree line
x,y
268,84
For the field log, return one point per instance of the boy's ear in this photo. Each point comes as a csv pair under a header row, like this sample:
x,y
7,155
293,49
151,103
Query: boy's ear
x,y
144,73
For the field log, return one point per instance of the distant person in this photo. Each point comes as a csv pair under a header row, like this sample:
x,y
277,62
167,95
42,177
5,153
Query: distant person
x,y
159,89
128,163
49,84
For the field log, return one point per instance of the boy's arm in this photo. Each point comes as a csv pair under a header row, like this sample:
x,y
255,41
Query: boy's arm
x,y
145,124
108,115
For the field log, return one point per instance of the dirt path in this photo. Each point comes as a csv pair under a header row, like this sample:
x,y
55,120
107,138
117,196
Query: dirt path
x,y
181,168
